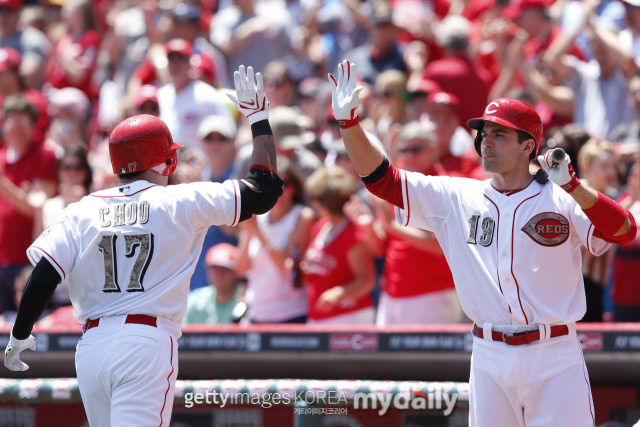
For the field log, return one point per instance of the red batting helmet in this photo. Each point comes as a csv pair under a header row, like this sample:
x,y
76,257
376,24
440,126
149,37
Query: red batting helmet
x,y
513,114
140,143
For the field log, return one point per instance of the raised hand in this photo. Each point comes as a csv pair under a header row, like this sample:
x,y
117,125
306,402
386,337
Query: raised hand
x,y
345,95
250,98
561,173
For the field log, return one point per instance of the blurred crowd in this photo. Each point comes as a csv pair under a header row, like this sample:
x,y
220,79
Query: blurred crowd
x,y
329,251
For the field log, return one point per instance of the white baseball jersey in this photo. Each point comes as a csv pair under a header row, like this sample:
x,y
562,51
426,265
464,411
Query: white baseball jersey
x,y
133,249
515,259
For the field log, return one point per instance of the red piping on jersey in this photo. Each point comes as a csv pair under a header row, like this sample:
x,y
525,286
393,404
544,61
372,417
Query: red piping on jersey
x,y
587,381
235,212
588,234
406,190
168,383
513,224
498,249
45,252
124,195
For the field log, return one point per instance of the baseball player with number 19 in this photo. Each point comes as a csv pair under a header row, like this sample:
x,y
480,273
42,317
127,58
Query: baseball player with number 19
x,y
513,245
130,252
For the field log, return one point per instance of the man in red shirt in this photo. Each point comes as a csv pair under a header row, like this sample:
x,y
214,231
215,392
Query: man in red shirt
x,y
409,295
455,73
533,16
11,83
24,166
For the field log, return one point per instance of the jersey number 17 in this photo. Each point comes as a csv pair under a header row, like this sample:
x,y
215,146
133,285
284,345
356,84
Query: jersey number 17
x,y
107,246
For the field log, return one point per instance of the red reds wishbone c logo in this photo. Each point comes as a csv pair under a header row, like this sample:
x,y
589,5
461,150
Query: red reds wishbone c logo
x,y
548,229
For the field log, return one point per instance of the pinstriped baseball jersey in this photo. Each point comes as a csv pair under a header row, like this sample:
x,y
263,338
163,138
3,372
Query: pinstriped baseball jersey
x,y
516,259
133,249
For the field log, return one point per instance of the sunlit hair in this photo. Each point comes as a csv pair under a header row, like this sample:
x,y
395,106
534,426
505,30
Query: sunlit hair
x,y
332,188
591,150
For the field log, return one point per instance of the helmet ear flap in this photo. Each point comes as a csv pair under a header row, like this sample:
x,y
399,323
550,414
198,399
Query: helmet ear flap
x,y
478,141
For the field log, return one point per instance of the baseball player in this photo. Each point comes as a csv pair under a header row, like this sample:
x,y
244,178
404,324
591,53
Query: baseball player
x,y
129,253
513,245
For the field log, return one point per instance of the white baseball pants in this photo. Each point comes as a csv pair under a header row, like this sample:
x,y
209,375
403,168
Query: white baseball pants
x,y
434,307
127,374
542,384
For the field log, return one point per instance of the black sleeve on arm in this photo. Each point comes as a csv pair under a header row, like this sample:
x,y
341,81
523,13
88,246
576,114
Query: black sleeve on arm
x,y
43,281
377,174
258,202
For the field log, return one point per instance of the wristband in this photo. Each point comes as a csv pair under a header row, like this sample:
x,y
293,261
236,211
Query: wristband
x,y
346,124
573,184
262,167
260,128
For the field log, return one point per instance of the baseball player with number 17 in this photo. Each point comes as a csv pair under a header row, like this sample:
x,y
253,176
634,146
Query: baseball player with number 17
x,y
513,245
130,252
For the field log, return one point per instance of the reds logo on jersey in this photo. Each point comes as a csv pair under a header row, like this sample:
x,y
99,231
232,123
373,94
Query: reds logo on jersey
x,y
548,229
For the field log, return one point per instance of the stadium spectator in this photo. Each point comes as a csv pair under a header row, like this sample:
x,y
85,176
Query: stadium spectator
x,y
271,246
30,42
19,283
146,101
252,33
409,297
11,82
600,87
630,36
389,100
186,25
629,133
598,169
382,53
338,266
75,55
626,298
455,73
213,304
69,107
185,102
278,85
286,131
453,141
218,134
24,167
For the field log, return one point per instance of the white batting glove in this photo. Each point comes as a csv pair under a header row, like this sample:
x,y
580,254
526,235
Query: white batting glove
x,y
251,99
12,353
561,173
345,95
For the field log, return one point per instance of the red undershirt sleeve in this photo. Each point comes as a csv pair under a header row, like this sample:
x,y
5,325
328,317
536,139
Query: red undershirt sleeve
x,y
385,183
608,217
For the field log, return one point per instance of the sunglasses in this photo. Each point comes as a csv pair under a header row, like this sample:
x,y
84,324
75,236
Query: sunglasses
x,y
382,95
416,149
177,57
71,167
214,138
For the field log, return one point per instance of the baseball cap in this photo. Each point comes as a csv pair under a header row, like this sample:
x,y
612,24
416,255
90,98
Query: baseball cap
x,y
203,66
144,94
427,86
180,46
443,98
9,58
187,12
381,13
217,123
222,255
13,4
516,7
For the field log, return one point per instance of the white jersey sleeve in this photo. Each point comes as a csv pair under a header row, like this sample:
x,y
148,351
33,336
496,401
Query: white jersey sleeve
x,y
203,204
59,243
426,200
584,229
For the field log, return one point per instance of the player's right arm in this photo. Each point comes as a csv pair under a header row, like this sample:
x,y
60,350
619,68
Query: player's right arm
x,y
261,188
415,196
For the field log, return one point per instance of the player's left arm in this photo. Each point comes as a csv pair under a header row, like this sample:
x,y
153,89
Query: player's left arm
x,y
612,222
261,188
